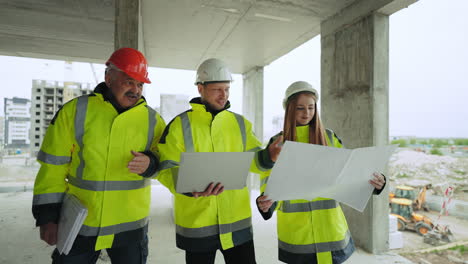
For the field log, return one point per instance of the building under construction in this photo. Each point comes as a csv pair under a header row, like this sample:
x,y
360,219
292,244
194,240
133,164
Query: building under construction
x,y
46,99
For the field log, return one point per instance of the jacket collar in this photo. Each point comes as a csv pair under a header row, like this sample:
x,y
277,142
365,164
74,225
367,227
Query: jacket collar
x,y
197,104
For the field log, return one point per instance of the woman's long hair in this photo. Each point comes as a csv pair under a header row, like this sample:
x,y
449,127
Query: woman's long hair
x,y
316,129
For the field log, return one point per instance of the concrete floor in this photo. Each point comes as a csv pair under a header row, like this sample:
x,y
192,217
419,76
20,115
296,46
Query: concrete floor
x,y
19,240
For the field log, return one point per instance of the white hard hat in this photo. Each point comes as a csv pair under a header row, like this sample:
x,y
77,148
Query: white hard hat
x,y
297,87
213,70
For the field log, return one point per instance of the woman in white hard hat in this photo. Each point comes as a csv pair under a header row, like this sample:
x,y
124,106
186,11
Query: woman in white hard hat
x,y
309,231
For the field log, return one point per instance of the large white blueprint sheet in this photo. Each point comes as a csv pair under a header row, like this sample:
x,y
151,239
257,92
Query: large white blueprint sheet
x,y
307,171
198,169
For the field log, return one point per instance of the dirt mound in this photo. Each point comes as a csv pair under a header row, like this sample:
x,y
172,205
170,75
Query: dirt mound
x,y
417,169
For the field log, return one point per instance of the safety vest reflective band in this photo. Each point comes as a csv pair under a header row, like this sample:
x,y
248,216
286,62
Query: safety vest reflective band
x,y
114,229
151,124
316,247
80,116
188,139
288,207
47,198
214,229
108,185
264,181
167,164
240,122
330,137
51,159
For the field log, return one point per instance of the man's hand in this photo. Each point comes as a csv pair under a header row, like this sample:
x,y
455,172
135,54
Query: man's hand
x,y
378,181
48,233
264,203
275,148
210,190
139,163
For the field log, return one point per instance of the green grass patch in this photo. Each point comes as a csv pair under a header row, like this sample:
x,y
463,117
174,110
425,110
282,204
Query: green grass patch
x,y
462,248
401,142
402,175
436,151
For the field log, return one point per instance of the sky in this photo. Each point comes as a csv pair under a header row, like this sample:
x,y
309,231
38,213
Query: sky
x,y
428,70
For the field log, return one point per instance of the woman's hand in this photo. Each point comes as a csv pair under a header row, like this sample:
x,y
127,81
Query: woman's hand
x,y
275,148
378,181
264,203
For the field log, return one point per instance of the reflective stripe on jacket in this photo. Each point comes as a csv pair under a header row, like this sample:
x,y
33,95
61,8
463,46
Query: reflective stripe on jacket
x,y
312,231
208,223
86,151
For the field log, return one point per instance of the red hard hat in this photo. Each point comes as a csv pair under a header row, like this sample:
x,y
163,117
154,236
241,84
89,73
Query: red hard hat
x,y
132,62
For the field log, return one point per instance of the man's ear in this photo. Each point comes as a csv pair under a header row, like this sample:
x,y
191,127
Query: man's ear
x,y
107,78
200,88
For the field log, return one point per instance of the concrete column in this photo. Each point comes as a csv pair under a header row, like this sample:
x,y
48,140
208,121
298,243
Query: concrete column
x,y
252,109
128,29
354,76
252,106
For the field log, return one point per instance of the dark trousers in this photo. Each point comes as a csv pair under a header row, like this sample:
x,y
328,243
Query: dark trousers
x,y
242,254
83,253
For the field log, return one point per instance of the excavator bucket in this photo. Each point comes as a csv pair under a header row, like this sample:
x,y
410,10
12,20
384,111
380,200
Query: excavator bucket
x,y
446,233
440,234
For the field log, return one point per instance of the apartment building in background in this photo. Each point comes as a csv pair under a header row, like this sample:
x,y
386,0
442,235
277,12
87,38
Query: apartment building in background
x,y
47,97
16,123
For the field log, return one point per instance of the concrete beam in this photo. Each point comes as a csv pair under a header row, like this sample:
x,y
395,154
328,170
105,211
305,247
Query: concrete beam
x,y
395,6
252,106
354,73
45,48
127,21
360,9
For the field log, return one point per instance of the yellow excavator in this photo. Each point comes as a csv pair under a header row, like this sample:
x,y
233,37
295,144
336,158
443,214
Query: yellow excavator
x,y
418,200
402,208
403,202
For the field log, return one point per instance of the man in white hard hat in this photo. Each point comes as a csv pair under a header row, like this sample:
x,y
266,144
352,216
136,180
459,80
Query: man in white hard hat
x,y
213,219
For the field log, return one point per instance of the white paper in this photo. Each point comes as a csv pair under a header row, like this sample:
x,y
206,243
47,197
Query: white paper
x,y
307,171
72,216
197,170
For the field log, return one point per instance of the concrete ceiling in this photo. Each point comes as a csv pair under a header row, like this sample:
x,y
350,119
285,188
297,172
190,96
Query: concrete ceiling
x,y
181,34
177,33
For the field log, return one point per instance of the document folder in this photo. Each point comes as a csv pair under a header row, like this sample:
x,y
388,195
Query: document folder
x,y
197,170
72,216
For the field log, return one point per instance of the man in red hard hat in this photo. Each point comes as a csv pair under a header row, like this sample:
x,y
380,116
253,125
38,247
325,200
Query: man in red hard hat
x,y
102,149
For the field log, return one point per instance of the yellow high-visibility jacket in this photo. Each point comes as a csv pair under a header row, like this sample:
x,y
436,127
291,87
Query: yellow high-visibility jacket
x,y
208,223
311,231
85,153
